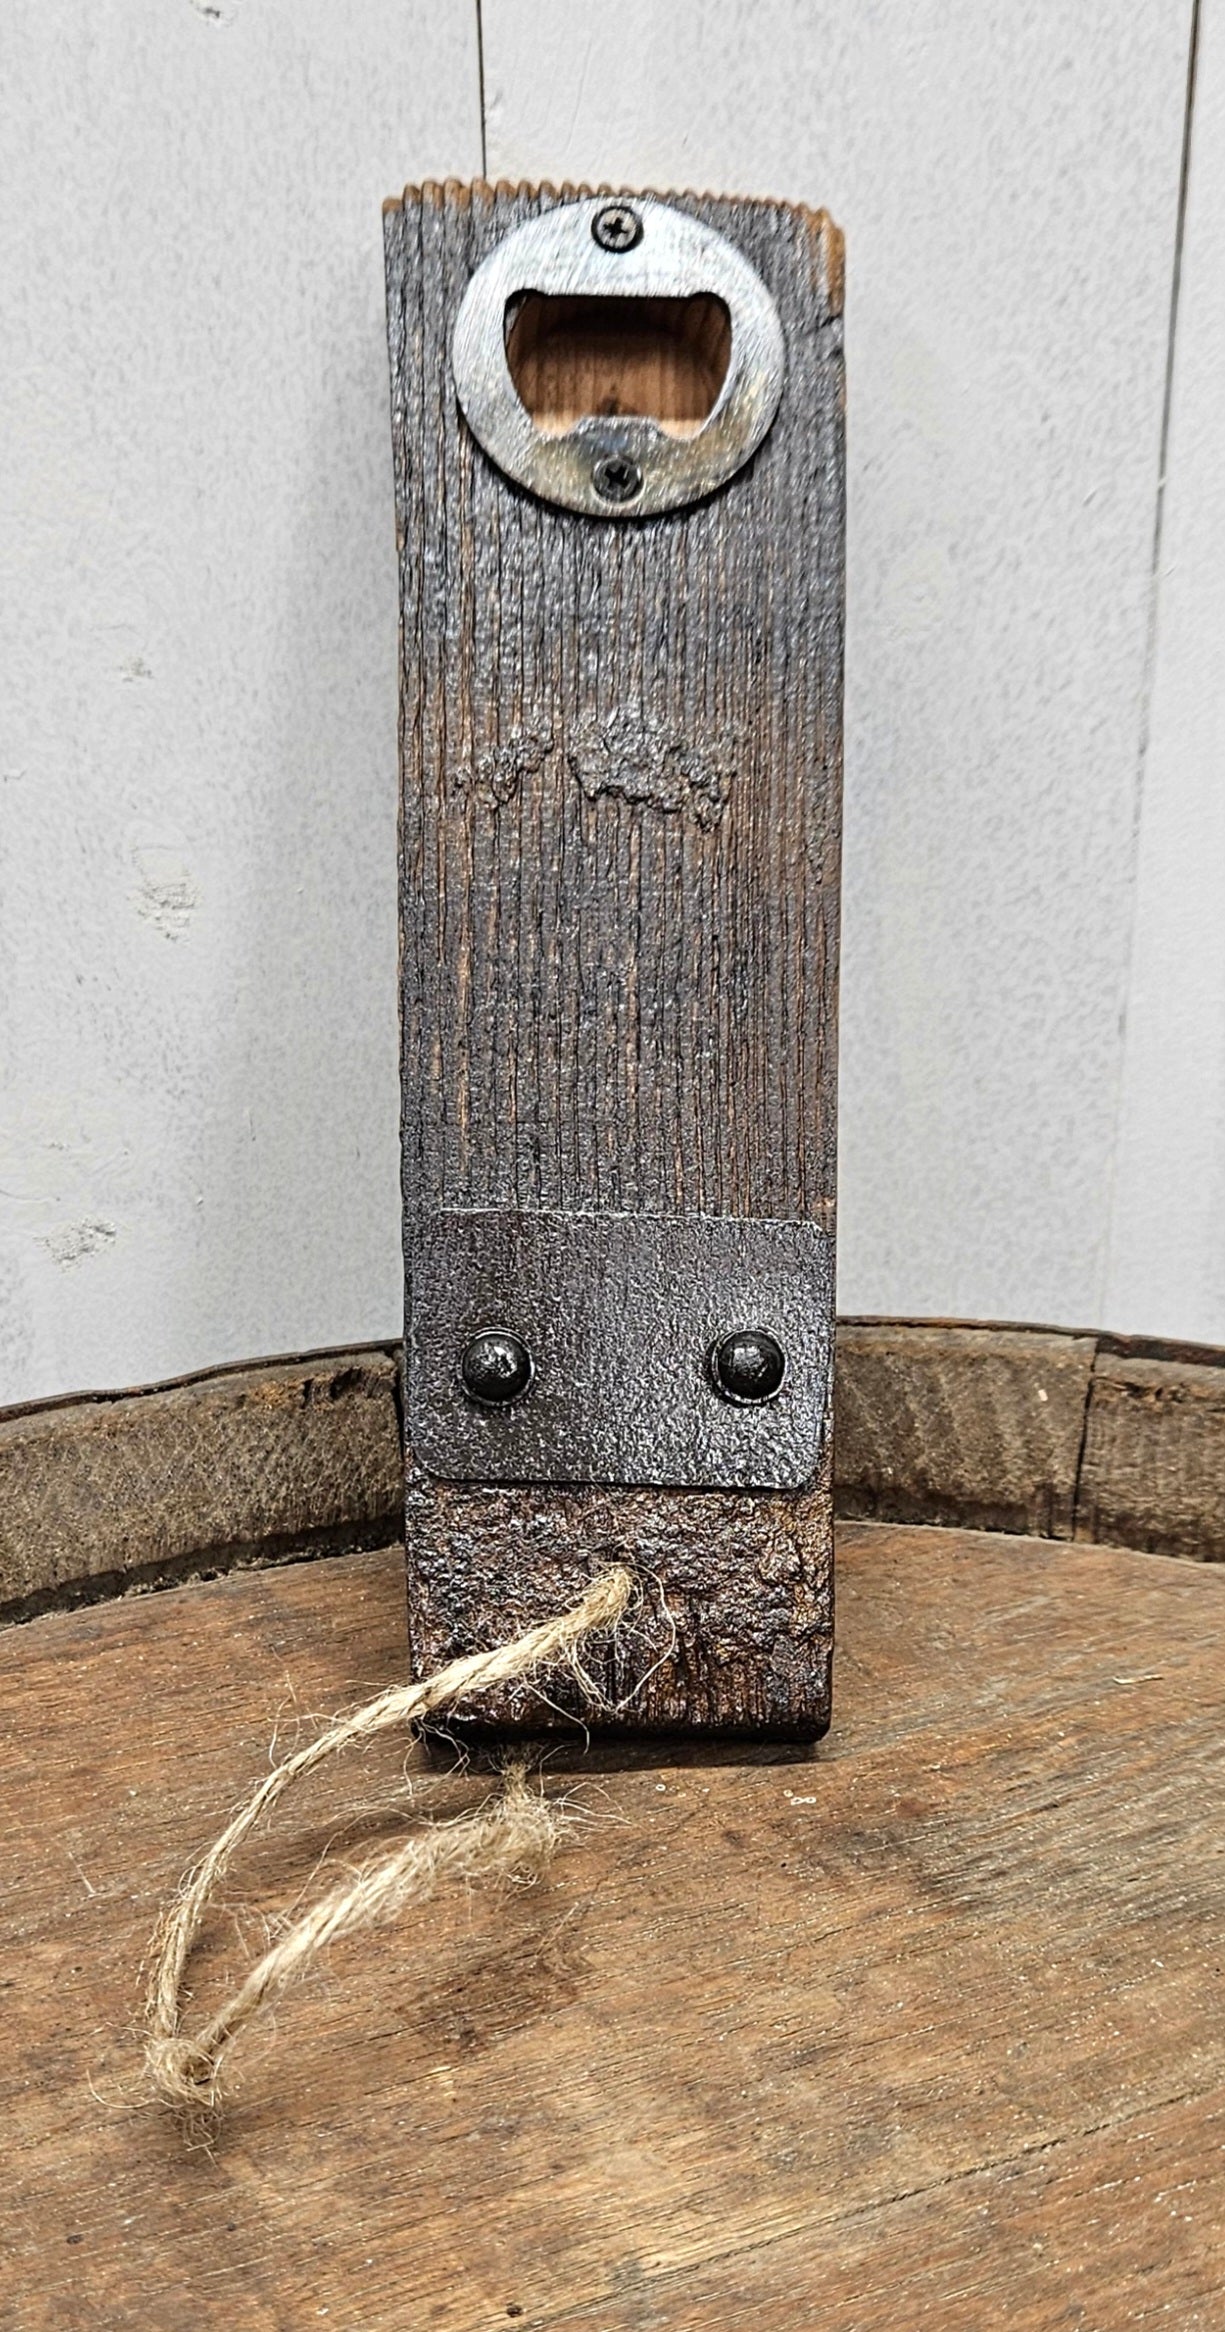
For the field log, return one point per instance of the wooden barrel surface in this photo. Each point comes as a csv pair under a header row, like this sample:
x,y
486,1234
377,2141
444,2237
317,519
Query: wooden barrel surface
x,y
922,2029
1089,1437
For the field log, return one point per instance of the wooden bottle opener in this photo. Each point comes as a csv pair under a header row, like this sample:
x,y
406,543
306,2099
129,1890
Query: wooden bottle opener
x,y
618,430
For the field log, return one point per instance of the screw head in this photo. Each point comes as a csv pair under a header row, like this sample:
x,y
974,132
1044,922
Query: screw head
x,y
749,1365
496,1368
617,227
616,478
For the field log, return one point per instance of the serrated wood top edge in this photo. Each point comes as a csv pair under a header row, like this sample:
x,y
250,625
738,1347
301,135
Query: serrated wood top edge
x,y
462,191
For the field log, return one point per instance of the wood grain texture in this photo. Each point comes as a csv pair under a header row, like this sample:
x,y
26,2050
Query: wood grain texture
x,y
618,999
737,1626
979,1426
571,357
921,2029
1154,1463
934,1420
620,834
96,1495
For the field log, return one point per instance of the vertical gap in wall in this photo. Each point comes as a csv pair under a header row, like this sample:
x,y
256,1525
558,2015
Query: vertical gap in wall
x,y
1154,594
480,75
1184,176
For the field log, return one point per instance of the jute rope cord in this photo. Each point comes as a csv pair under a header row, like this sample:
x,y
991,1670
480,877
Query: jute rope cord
x,y
513,1834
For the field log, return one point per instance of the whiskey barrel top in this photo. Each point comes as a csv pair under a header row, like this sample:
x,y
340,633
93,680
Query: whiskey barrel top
x,y
923,2029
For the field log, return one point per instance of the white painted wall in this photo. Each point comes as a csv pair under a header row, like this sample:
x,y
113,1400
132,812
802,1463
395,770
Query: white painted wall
x,y
1008,180
1167,1257
197,920
197,1069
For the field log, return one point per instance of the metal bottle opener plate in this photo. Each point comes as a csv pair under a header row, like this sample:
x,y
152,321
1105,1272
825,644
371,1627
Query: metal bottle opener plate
x,y
601,250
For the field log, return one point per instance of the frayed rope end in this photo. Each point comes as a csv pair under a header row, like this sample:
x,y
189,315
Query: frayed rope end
x,y
512,1836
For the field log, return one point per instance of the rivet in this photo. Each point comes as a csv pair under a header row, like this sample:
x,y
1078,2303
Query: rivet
x,y
749,1365
617,227
496,1368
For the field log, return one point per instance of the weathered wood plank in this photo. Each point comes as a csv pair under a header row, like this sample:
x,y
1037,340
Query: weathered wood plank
x,y
978,1426
737,1622
620,852
1154,1464
97,1494
610,1001
922,2027
933,1422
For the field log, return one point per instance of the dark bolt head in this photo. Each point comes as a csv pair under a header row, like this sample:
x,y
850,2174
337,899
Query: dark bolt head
x,y
748,1365
617,478
617,227
496,1368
